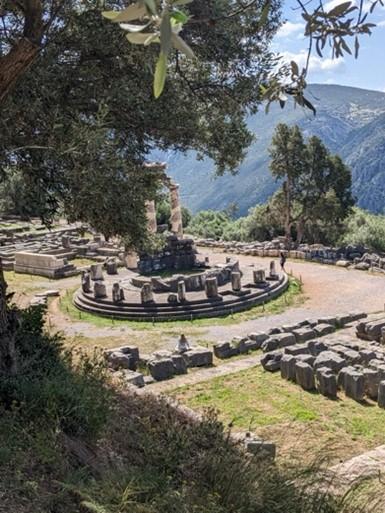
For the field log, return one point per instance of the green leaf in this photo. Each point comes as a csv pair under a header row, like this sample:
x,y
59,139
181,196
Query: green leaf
x,y
339,9
133,28
160,74
179,16
182,46
181,2
151,6
132,12
165,32
139,38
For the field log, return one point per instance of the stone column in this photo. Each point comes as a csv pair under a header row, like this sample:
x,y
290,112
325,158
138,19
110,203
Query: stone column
x,y
236,281
99,290
211,287
151,216
181,291
96,272
176,211
259,276
146,294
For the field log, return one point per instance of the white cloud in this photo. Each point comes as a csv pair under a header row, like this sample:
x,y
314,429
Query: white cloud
x,y
316,63
381,23
289,28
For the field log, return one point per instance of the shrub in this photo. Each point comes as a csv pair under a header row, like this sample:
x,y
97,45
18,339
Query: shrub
x,y
365,228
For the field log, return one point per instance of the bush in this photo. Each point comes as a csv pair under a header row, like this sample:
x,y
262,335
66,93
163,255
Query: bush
x,y
55,385
365,228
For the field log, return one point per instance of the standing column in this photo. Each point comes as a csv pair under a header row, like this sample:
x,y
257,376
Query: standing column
x,y
151,216
176,211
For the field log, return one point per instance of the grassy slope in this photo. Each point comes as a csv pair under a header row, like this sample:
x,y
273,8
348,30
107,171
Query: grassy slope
x,y
300,422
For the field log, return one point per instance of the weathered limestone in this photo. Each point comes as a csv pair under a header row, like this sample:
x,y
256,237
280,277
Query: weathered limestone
x,y
236,281
146,294
96,272
372,380
224,350
161,369
100,290
323,329
111,267
42,265
211,287
316,347
86,282
198,357
179,364
304,334
304,375
326,382
259,276
329,359
272,361
151,216
258,338
134,378
181,291
176,210
260,448
117,293
273,272
288,367
354,384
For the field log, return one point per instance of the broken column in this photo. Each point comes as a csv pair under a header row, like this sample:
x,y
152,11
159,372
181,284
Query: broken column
x,y
86,281
112,266
117,293
176,211
211,287
326,382
236,281
96,272
99,290
181,291
354,385
259,276
304,375
151,216
146,294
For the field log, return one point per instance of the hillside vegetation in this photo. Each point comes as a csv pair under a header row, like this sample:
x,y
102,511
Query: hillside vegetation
x,y
361,227
350,122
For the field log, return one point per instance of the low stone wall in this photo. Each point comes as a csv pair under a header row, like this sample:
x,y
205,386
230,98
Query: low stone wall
x,y
354,257
42,265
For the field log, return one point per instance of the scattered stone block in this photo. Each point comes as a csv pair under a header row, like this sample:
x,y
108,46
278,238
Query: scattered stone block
x,y
329,359
305,358
117,360
304,334
323,329
287,366
179,363
198,357
326,382
354,384
260,448
258,338
367,355
134,378
372,379
297,349
161,369
272,361
304,376
328,320
316,347
285,339
224,350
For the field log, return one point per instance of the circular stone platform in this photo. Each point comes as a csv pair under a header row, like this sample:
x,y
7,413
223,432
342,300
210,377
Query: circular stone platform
x,y
196,306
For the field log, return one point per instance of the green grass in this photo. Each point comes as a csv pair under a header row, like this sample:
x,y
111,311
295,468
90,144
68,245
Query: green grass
x,y
292,297
282,411
82,262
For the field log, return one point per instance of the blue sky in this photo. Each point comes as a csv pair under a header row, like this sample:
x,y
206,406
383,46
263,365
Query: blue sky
x,y
367,72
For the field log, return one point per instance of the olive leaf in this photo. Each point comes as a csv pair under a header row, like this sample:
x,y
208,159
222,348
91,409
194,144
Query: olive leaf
x,y
160,74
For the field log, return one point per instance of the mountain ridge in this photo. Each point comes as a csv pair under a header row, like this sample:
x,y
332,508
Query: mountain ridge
x,y
344,114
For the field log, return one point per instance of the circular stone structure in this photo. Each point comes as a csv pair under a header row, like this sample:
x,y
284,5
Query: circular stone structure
x,y
219,290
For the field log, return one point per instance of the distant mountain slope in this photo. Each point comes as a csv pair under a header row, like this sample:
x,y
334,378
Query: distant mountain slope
x,y
350,121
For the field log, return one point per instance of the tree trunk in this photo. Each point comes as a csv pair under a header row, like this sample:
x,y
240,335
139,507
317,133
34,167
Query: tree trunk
x,y
8,360
300,231
15,64
287,190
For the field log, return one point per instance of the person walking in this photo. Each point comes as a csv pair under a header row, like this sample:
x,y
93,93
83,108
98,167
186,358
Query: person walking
x,y
283,261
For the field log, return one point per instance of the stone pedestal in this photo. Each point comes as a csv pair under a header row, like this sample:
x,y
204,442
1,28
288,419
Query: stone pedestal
x,y
99,290
117,293
96,272
181,291
176,211
112,267
236,281
86,282
211,287
151,216
259,276
146,294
